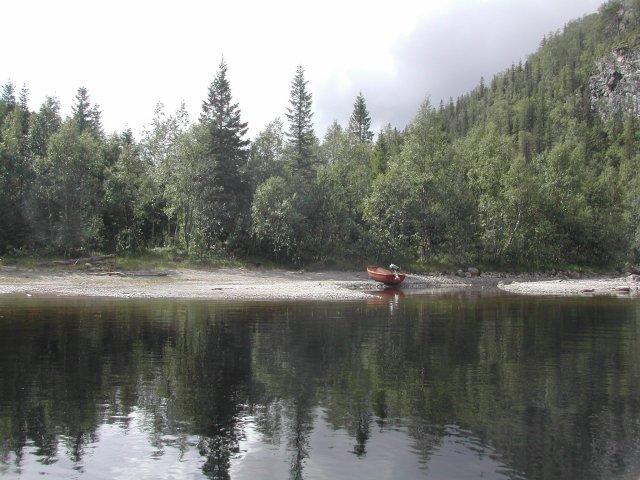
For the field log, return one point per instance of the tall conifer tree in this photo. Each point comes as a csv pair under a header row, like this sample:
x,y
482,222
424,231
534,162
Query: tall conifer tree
x,y
7,100
301,138
8,95
360,121
222,177
81,110
43,124
14,173
23,104
86,116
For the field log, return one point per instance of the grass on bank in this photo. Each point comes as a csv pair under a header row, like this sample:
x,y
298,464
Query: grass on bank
x,y
170,259
152,259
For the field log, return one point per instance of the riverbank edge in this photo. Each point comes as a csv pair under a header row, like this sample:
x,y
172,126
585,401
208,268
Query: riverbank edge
x,y
276,284
220,283
625,286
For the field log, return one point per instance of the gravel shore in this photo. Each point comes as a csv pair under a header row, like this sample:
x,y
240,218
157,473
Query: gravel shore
x,y
224,284
623,286
267,284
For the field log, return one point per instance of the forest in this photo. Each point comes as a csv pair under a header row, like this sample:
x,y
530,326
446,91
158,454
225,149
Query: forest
x,y
537,168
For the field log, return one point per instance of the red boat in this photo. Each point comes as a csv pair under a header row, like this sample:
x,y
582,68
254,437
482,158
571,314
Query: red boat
x,y
385,276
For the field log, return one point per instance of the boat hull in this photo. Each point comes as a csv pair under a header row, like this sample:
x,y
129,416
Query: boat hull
x,y
385,276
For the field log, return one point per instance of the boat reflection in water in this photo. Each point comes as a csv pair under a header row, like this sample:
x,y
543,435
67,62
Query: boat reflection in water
x,y
387,296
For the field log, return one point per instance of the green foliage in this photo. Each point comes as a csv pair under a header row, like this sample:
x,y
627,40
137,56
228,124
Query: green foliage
x,y
15,173
342,184
360,121
68,191
388,145
266,158
43,124
411,205
166,198
223,201
86,115
276,219
301,139
124,212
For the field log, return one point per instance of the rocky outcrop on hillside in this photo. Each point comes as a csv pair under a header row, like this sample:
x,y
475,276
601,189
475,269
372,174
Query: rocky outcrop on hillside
x,y
615,85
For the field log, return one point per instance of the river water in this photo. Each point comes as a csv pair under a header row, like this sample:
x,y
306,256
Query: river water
x,y
438,387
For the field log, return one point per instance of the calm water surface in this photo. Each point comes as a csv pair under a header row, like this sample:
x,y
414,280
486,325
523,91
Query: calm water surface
x,y
449,387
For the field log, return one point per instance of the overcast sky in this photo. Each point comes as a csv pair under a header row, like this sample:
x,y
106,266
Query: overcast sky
x,y
131,54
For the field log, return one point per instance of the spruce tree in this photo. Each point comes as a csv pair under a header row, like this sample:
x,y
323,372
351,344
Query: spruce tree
x,y
86,116
81,111
7,100
15,169
8,95
360,121
301,138
96,122
225,197
23,104
43,124
23,99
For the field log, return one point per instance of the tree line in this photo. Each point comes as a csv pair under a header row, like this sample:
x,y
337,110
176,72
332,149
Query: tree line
x,y
522,171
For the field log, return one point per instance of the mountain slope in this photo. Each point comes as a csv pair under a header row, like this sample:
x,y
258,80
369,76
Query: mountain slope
x,y
548,152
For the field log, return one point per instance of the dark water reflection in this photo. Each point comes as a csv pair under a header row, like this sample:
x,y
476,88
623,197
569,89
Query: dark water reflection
x,y
414,387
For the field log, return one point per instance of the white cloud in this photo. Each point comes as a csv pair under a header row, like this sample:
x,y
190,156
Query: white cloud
x,y
132,54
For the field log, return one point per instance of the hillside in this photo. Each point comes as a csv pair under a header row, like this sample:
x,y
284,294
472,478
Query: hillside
x,y
548,152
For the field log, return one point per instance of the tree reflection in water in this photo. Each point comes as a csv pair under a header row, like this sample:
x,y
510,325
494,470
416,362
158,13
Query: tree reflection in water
x,y
547,388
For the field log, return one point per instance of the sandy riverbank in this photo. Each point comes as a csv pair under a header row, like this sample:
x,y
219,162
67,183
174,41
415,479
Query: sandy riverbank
x,y
623,286
223,284
259,284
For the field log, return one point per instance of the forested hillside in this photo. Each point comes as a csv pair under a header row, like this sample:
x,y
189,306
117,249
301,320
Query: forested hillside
x,y
536,168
